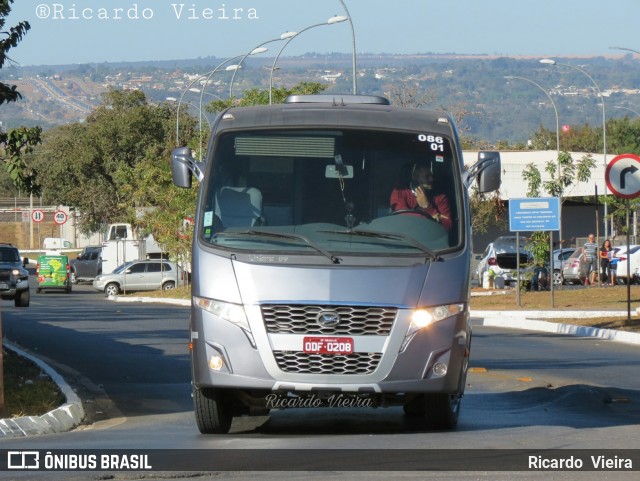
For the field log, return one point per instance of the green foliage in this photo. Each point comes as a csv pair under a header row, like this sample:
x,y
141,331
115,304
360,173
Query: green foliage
x,y
254,97
486,210
538,245
12,37
570,172
94,166
15,147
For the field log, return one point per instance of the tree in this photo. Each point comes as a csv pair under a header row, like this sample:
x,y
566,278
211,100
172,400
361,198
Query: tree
x,y
9,93
94,166
254,97
15,146
486,210
571,172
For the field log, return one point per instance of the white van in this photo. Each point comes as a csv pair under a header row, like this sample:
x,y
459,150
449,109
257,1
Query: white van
x,y
56,243
307,289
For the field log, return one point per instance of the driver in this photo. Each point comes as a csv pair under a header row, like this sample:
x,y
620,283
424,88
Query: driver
x,y
419,198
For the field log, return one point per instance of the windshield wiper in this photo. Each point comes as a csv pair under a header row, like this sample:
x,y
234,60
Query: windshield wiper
x,y
279,235
391,236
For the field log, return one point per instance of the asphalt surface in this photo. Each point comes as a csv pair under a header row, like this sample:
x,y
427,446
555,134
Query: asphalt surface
x,y
70,415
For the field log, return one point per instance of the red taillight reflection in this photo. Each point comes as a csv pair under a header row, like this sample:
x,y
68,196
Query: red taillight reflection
x,y
491,261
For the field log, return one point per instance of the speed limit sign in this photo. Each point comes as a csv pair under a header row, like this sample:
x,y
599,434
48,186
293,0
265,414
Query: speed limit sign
x,y
60,217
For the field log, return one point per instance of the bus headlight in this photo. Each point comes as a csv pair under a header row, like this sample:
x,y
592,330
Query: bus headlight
x,y
233,313
423,318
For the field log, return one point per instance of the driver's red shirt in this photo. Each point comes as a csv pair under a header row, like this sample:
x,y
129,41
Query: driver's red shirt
x,y
404,199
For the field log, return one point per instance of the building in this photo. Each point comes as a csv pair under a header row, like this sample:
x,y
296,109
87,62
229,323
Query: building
x,y
578,216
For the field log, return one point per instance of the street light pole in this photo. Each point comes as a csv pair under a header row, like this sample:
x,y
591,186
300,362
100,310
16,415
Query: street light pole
x,y
548,61
254,51
353,48
627,108
331,21
510,77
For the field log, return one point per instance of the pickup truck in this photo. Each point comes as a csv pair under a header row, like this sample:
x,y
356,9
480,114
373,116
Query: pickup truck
x,y
87,265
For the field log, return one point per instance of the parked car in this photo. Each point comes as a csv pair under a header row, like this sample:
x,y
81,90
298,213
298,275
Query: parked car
x,y
87,265
559,257
501,256
14,277
623,255
143,275
575,268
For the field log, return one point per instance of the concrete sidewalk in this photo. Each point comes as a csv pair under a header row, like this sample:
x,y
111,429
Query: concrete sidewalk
x,y
70,415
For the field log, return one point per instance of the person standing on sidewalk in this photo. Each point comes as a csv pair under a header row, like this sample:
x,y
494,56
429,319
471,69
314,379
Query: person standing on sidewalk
x,y
590,255
608,273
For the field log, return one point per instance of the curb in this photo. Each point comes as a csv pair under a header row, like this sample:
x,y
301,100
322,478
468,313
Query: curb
x,y
61,419
158,300
530,320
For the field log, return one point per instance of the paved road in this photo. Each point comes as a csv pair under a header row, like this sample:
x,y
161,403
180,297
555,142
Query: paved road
x,y
130,363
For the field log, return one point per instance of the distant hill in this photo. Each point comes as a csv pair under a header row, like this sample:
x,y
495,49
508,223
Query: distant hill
x,y
472,87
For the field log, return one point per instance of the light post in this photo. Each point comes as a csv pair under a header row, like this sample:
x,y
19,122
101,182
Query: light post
x,y
257,49
173,99
627,49
331,21
548,61
188,89
510,77
627,108
353,48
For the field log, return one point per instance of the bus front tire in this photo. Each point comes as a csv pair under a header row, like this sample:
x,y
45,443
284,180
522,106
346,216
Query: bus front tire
x,y
213,410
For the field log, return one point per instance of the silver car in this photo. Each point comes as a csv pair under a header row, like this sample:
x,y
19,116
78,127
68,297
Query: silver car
x,y
501,257
147,275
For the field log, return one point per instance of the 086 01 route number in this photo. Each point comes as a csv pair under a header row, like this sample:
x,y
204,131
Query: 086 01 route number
x,y
435,142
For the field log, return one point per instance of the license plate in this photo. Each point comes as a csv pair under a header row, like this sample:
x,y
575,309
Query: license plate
x,y
4,285
327,345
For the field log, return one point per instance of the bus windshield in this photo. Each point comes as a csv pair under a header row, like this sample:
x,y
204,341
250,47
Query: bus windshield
x,y
333,192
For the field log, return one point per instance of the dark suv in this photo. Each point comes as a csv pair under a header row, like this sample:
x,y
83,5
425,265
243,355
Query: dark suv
x,y
87,265
14,278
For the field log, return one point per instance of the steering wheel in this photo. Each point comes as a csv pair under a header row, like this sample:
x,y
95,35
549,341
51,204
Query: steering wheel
x,y
411,211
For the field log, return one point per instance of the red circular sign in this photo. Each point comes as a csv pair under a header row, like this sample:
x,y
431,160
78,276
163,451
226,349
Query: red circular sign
x,y
37,216
623,176
60,217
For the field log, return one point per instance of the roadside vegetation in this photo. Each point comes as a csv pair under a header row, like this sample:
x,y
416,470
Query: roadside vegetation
x,y
28,390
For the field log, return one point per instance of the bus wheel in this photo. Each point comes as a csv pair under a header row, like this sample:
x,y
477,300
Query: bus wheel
x,y
213,410
442,410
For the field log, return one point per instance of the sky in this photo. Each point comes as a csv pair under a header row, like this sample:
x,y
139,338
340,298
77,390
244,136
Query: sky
x,y
96,31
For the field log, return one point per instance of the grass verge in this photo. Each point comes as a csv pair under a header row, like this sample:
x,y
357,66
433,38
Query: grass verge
x,y
28,391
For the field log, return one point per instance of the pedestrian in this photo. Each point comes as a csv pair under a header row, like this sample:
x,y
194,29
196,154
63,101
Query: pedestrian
x,y
606,254
590,255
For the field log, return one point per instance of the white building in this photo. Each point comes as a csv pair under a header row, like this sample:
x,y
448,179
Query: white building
x,y
578,219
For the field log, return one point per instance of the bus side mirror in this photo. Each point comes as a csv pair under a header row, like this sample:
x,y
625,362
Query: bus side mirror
x,y
183,166
487,172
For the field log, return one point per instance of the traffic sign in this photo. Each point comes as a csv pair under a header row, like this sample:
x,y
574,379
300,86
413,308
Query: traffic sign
x,y
60,217
623,176
534,214
37,216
